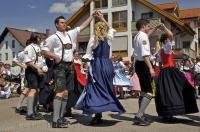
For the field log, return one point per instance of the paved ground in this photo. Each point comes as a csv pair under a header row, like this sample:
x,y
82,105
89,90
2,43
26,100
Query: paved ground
x,y
11,122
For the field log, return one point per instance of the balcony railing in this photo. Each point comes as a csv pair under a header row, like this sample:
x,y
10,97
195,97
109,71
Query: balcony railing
x,y
152,23
85,32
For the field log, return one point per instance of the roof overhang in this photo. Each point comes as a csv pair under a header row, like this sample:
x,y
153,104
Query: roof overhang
x,y
169,16
174,19
3,34
74,18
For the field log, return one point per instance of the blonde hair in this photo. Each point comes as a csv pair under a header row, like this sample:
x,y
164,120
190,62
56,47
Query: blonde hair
x,y
100,31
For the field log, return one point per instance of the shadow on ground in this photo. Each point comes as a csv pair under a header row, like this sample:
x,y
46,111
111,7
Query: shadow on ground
x,y
191,121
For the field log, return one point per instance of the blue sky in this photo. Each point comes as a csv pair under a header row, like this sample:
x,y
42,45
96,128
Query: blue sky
x,y
35,14
39,15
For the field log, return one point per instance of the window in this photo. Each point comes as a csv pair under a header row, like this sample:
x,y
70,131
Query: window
x,y
133,16
148,15
119,20
13,43
105,15
6,54
6,44
186,44
101,3
13,54
119,3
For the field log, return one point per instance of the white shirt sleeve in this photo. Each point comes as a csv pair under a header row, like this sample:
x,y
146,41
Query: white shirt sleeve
x,y
168,47
111,33
49,43
90,45
29,54
145,46
74,33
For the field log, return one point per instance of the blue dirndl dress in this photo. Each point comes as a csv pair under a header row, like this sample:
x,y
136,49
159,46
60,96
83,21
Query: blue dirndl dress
x,y
98,96
120,78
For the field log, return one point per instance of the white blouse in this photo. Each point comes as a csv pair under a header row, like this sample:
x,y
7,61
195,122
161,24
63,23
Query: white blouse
x,y
92,44
167,47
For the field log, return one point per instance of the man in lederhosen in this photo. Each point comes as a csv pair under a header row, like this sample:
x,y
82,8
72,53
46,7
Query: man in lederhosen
x,y
60,47
144,69
36,67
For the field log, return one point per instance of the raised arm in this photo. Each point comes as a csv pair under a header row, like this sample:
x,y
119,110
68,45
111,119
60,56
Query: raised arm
x,y
100,16
86,22
167,31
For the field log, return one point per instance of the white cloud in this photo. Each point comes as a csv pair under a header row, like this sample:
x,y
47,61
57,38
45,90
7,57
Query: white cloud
x,y
31,29
66,7
31,6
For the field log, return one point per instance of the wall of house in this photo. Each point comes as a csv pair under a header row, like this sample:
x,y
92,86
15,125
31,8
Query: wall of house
x,y
123,40
139,9
9,50
179,39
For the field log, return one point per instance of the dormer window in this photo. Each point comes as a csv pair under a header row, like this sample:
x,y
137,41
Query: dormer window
x,y
100,4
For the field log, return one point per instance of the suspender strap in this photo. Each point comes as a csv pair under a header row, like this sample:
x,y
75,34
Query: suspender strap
x,y
69,38
63,45
36,54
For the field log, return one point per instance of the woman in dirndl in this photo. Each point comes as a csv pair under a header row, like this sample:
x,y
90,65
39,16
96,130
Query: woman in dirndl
x,y
174,94
99,96
120,80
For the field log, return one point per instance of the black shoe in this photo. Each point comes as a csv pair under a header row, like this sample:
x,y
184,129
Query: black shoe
x,y
20,111
60,124
63,121
140,121
148,119
96,121
34,117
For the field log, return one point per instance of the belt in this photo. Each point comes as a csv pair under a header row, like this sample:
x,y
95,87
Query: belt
x,y
63,63
67,46
66,62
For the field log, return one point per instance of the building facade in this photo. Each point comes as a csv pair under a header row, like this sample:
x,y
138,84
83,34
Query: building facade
x,y
13,40
9,48
123,14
